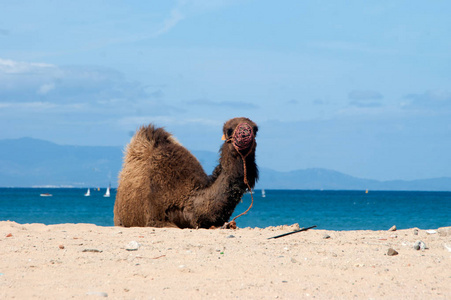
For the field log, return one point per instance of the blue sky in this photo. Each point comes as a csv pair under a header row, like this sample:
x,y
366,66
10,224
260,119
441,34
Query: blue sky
x,y
361,87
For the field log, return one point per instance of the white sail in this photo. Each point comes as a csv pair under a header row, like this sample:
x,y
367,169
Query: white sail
x,y
263,193
88,193
107,193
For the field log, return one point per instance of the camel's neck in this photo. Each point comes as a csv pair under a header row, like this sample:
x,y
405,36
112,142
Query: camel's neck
x,y
215,204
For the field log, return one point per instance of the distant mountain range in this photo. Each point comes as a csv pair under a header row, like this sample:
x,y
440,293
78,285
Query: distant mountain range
x,y
324,179
28,162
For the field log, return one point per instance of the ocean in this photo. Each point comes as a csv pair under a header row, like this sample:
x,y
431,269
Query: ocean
x,y
331,210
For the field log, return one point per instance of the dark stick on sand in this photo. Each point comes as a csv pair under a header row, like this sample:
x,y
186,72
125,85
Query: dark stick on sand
x,y
288,233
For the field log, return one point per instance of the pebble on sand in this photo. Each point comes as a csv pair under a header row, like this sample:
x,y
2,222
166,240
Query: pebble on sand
x,y
393,228
100,294
132,246
420,245
392,252
92,250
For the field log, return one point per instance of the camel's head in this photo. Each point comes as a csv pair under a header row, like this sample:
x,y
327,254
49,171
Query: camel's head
x,y
240,133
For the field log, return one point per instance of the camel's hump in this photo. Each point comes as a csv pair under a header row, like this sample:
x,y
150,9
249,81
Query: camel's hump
x,y
156,135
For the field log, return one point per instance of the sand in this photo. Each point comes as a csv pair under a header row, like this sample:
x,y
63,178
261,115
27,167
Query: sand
x,y
86,261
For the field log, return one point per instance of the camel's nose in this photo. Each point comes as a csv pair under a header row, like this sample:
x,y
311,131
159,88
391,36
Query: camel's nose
x,y
243,137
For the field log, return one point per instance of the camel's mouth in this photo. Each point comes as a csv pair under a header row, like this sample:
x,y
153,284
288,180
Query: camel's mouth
x,y
243,137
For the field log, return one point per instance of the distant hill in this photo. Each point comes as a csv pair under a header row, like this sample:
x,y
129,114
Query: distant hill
x,y
31,162
28,162
323,179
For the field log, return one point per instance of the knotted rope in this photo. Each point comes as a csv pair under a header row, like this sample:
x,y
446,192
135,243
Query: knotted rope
x,y
242,139
243,136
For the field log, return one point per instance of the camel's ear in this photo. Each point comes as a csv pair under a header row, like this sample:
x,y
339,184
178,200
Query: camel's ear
x,y
255,130
223,138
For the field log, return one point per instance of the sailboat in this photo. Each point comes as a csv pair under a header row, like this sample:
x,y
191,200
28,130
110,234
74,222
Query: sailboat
x,y
107,193
88,193
263,193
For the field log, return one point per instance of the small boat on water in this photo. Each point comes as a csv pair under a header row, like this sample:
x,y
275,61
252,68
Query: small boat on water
x,y
107,193
88,193
46,195
263,193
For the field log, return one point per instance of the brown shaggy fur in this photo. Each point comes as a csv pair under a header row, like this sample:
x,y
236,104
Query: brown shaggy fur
x,y
163,185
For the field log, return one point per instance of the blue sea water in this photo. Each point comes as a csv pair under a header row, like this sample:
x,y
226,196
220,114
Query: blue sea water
x,y
332,210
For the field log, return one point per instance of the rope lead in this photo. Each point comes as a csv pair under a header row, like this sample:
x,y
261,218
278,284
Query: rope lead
x,y
240,140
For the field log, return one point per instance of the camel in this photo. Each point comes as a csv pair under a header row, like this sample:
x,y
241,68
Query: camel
x,y
162,184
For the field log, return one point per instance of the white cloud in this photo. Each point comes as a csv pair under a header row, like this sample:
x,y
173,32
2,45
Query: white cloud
x,y
28,106
364,95
231,104
433,99
165,121
80,93
174,18
188,8
365,98
365,103
17,67
45,88
28,82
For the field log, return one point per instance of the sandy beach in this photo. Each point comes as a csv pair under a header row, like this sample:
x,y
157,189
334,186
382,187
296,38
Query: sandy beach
x,y
83,260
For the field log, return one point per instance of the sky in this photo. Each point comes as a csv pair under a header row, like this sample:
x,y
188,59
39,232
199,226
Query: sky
x,y
360,87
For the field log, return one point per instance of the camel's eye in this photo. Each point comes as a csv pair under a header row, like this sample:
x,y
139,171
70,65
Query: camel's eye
x,y
229,132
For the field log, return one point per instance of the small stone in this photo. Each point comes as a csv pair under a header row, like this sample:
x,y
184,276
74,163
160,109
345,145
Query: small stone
x,y
92,250
326,236
392,252
431,231
184,269
9,235
132,246
393,228
61,246
415,231
360,265
419,245
100,294
230,236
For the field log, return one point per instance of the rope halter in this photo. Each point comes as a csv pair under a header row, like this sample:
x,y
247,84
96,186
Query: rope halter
x,y
243,137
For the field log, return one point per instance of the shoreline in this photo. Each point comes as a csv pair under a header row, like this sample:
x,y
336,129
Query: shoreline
x,y
80,260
